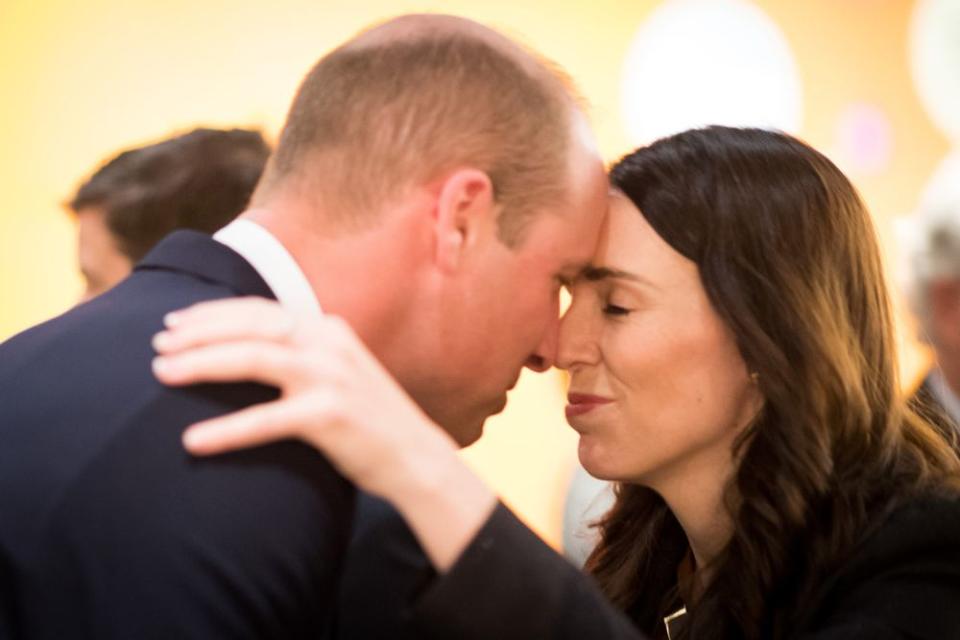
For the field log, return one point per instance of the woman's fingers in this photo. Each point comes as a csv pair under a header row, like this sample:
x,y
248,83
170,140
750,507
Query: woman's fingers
x,y
334,394
249,306
247,360
223,321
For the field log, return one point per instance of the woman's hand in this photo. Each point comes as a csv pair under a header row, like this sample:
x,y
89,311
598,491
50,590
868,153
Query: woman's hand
x,y
336,396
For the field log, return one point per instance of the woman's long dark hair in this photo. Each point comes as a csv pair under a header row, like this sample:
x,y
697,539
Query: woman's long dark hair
x,y
787,255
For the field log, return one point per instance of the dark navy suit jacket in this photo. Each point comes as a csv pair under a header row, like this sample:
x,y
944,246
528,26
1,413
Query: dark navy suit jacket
x,y
108,528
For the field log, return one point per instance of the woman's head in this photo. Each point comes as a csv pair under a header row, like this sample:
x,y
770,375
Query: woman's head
x,y
659,390
757,273
768,358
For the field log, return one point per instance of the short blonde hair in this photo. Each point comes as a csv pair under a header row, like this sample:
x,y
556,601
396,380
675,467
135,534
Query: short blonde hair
x,y
369,121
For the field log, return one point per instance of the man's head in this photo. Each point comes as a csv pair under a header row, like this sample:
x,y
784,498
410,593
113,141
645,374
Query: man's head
x,y
449,178
410,100
934,287
199,180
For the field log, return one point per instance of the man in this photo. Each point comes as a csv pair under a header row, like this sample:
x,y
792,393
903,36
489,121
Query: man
x,y
198,180
433,185
934,294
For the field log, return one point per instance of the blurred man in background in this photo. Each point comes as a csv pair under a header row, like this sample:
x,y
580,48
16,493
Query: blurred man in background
x,y
198,180
934,294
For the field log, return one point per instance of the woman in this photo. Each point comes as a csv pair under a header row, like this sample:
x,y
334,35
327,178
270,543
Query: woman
x,y
732,367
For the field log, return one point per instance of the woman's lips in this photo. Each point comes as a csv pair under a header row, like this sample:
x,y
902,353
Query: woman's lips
x,y
581,403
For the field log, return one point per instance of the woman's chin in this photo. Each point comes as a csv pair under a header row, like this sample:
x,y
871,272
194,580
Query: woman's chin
x,y
594,461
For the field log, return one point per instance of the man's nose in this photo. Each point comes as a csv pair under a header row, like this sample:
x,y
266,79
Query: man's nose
x,y
545,354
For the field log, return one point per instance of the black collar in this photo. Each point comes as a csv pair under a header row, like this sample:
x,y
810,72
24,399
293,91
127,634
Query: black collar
x,y
199,255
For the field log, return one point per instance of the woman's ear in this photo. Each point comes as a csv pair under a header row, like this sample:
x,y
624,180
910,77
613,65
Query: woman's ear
x,y
465,204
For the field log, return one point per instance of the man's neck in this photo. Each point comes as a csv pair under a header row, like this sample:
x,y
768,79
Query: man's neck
x,y
362,276
267,255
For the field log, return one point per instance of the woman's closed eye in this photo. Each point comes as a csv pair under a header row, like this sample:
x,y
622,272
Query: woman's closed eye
x,y
611,309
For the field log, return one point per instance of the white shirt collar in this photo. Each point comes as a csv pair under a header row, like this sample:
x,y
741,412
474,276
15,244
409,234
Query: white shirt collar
x,y
273,262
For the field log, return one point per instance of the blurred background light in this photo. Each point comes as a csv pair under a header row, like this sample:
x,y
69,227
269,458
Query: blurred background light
x,y
864,142
587,500
943,188
699,62
935,61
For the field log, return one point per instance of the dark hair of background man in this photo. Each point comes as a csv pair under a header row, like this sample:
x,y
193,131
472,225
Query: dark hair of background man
x,y
199,180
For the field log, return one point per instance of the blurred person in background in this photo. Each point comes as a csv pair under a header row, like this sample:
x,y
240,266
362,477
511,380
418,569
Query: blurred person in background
x,y
933,291
198,180
733,370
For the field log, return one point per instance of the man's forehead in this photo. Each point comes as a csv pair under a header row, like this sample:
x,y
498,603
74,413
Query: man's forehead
x,y
575,252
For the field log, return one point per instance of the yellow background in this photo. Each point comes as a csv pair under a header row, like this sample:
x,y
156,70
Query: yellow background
x,y
81,80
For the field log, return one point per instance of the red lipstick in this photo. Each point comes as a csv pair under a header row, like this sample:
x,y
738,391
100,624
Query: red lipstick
x,y
581,403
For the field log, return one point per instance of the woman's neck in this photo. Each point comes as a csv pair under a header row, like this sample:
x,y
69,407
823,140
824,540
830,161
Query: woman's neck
x,y
697,497
707,527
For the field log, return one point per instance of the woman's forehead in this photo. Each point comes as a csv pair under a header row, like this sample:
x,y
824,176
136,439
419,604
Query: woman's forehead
x,y
630,245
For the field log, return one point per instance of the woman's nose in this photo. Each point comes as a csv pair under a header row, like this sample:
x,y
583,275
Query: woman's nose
x,y
576,343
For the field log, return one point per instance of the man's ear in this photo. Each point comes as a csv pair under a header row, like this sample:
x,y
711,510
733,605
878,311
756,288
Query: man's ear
x,y
464,204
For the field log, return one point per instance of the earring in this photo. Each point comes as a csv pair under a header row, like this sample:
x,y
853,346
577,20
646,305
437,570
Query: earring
x,y
754,377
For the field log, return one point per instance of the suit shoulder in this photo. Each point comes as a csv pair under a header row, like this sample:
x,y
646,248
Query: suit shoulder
x,y
903,578
920,524
253,539
144,463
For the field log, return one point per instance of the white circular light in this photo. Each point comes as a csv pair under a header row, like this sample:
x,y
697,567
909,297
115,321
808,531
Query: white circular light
x,y
935,58
700,62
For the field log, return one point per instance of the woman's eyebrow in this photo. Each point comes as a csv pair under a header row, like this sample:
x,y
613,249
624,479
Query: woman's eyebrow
x,y
594,273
